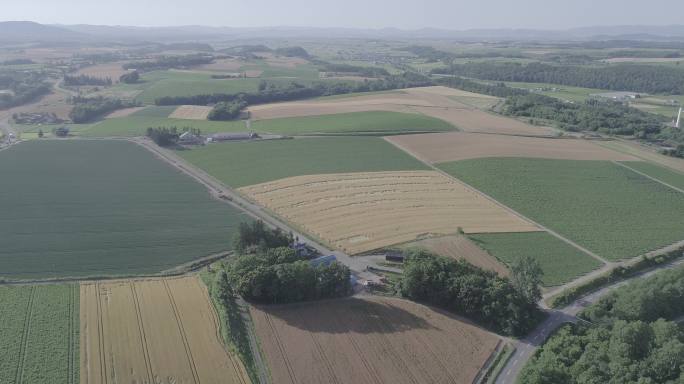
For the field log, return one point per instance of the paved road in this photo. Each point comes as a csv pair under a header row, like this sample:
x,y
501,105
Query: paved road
x,y
526,347
225,193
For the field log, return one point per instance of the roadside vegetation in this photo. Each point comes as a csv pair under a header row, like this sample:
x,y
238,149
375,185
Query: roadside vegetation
x,y
631,338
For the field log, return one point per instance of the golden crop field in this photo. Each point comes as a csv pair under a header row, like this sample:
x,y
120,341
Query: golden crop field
x,y
369,340
191,112
359,212
153,331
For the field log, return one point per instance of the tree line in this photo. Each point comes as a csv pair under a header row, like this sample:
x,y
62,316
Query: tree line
x,y
227,110
621,77
90,108
503,305
358,70
80,80
631,338
169,62
271,92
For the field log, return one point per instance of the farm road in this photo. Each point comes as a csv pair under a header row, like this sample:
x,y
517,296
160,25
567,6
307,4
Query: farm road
x,y
219,189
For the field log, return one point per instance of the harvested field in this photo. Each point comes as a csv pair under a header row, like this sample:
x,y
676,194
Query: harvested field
x,y
124,112
436,102
453,146
359,212
191,112
103,71
460,247
369,340
153,331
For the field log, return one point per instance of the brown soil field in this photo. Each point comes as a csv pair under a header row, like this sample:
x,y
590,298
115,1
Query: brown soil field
x,y
369,340
228,65
360,212
439,102
453,146
124,112
460,247
103,71
191,112
153,331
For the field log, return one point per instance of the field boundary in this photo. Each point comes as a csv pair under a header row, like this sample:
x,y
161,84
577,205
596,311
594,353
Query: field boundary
x,y
648,176
141,330
18,376
181,330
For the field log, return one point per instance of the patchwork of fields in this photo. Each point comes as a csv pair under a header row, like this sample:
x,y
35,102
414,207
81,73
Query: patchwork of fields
x,y
95,208
39,333
600,205
153,331
247,163
373,339
359,212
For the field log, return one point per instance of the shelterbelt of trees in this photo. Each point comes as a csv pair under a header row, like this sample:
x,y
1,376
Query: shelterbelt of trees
x,y
631,339
618,77
90,108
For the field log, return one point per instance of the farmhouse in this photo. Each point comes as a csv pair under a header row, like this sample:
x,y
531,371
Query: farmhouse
x,y
236,136
189,138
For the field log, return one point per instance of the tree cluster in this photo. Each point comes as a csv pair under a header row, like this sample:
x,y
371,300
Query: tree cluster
x,y
497,90
357,70
24,86
294,51
593,115
130,77
163,136
467,290
227,110
678,151
81,80
90,108
278,275
625,352
258,236
169,62
621,77
271,92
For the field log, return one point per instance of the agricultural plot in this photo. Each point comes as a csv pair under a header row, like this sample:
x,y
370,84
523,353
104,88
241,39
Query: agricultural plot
x,y
153,331
644,153
369,340
666,175
598,204
40,334
460,247
453,146
109,208
191,112
559,261
102,71
436,102
247,163
360,212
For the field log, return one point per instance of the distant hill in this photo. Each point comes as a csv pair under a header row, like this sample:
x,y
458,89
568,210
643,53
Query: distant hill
x,y
28,31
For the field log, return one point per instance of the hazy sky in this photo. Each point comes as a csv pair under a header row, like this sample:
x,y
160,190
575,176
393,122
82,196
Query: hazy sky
x,y
406,14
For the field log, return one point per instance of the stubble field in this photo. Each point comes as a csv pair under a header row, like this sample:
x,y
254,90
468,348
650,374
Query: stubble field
x,y
153,331
191,112
369,340
359,212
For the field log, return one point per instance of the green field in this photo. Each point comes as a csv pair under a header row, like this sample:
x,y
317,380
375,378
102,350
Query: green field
x,y
40,334
560,261
93,208
604,207
247,163
378,123
175,83
663,174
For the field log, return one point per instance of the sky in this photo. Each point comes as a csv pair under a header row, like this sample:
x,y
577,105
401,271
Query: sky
x,y
404,14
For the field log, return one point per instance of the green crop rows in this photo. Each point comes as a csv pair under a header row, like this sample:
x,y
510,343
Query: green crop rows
x,y
40,334
559,261
604,207
92,208
663,174
247,163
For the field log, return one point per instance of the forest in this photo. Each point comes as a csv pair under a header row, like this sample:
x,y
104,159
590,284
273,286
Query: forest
x,y
24,87
618,77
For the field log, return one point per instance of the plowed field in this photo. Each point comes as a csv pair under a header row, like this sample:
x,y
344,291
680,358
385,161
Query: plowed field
x,y
153,331
369,340
359,212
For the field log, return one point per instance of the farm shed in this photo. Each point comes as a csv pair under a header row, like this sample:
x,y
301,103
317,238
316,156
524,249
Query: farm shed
x,y
238,136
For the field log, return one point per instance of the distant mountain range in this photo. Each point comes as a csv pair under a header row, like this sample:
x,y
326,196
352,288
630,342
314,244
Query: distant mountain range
x,y
26,31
